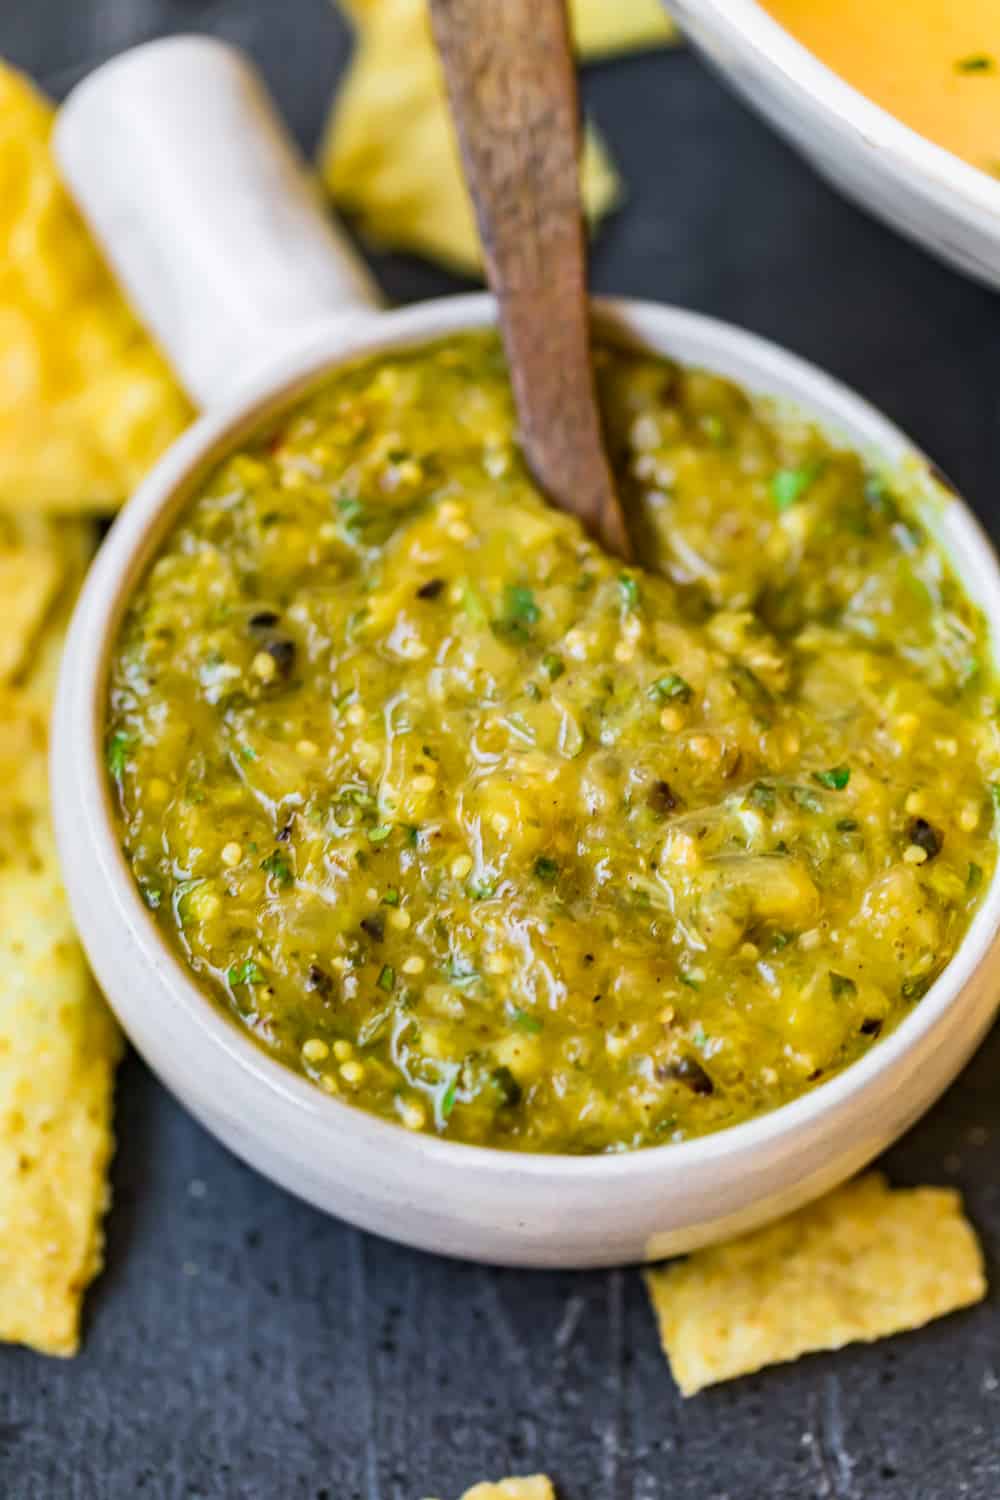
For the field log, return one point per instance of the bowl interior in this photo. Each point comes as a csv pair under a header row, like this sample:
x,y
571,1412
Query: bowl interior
x,y
217,1045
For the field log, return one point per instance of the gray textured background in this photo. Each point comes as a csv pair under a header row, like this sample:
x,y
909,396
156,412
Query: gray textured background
x,y
241,1345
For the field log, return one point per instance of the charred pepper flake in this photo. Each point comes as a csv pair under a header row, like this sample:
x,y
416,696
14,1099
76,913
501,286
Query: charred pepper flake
x,y
282,653
870,1026
507,1085
374,926
661,800
319,981
924,836
263,619
688,1071
432,589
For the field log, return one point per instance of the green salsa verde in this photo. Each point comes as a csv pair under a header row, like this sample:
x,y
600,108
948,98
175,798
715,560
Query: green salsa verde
x,y
487,833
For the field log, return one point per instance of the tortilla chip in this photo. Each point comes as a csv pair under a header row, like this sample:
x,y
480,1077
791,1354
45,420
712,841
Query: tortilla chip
x,y
534,1487
86,402
390,157
862,1263
606,28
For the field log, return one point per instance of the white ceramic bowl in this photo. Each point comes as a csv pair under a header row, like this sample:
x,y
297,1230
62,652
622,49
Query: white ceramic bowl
x,y
537,1210
917,187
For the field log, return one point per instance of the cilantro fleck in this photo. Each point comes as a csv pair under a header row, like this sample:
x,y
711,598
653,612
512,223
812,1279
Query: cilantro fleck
x,y
245,973
481,890
762,796
524,1021
277,866
117,754
973,877
247,752
391,897
448,1097
629,586
835,779
380,834
789,485
841,985
668,687
519,604
546,869
387,978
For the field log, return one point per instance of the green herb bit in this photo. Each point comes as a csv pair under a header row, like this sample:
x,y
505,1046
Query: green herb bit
x,y
351,512
546,869
670,687
524,1021
387,978
847,825
841,985
978,62
789,485
629,586
520,606
412,835
247,752
552,666
245,973
116,754
448,1097
835,779
380,834
481,890
803,797
973,877
277,865
460,973
995,794
391,897
763,796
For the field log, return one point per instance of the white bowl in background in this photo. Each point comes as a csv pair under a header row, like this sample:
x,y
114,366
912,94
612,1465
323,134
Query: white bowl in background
x,y
917,187
475,1202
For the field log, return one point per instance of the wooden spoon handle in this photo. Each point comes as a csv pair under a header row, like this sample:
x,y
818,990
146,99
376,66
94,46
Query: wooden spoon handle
x,y
512,84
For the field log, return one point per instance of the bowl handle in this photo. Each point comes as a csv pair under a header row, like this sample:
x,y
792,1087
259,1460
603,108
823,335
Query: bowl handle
x,y
206,209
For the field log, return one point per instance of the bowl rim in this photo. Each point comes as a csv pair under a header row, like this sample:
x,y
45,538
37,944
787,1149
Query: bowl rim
x,y
801,70
78,750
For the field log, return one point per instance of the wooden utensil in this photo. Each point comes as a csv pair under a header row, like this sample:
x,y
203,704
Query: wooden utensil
x,y
511,81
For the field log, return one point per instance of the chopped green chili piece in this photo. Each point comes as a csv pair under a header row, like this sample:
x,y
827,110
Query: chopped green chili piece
x,y
387,977
448,1097
380,834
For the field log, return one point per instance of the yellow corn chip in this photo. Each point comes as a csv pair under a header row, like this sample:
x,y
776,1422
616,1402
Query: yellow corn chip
x,y
86,402
58,1041
605,28
862,1263
390,156
535,1487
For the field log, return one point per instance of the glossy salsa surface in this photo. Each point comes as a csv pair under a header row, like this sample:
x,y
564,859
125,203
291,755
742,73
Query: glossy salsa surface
x,y
483,831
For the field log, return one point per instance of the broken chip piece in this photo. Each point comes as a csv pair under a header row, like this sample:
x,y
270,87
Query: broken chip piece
x,y
862,1263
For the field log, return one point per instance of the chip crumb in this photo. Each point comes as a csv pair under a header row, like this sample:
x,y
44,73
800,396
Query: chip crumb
x,y
862,1263
533,1487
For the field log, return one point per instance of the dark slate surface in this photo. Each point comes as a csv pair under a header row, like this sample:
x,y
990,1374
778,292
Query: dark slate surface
x,y
240,1344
